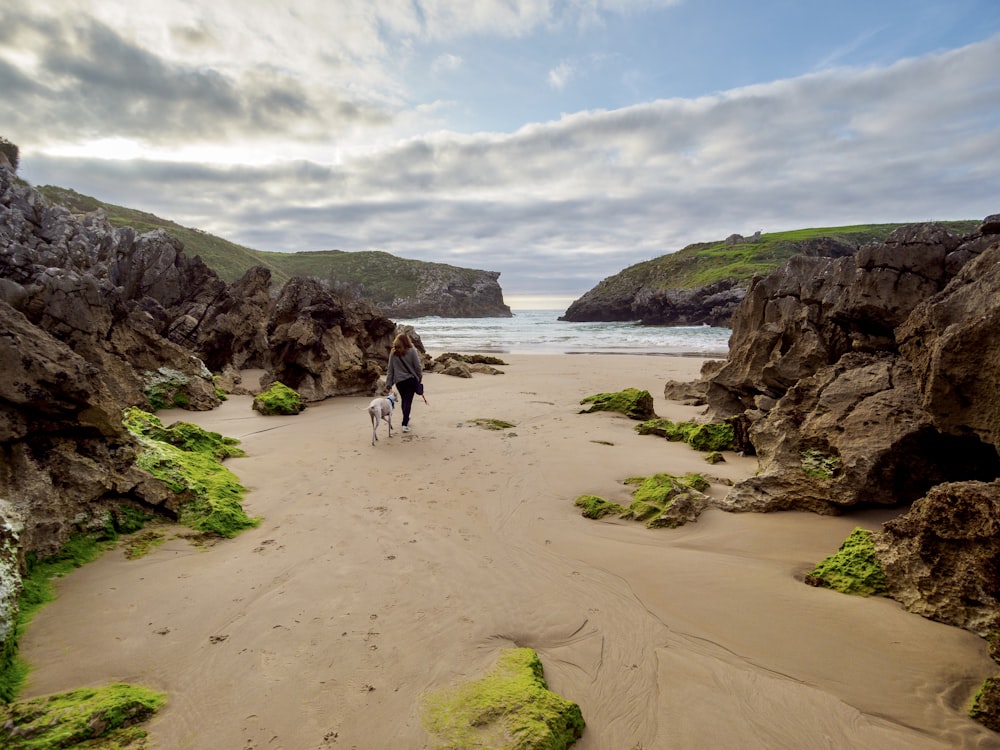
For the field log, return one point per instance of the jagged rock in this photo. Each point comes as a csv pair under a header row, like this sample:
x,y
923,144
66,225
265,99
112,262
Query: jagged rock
x,y
94,319
942,558
953,342
812,311
861,418
450,292
711,305
323,345
65,456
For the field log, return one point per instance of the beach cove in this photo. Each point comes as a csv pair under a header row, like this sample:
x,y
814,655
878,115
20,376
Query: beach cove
x,y
381,573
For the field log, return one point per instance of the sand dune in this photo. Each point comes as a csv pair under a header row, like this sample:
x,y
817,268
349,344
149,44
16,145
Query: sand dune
x,y
380,573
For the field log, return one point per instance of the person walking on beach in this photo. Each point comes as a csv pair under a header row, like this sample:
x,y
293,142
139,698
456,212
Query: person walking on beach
x,y
405,372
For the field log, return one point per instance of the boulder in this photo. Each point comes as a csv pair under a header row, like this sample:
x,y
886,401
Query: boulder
x,y
942,558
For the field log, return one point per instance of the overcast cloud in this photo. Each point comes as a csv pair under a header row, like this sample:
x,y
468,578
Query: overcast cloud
x,y
300,127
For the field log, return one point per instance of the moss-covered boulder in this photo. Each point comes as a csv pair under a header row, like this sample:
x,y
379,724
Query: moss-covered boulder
x,y
986,705
278,399
210,496
167,388
106,717
854,569
709,436
509,709
597,507
632,402
665,500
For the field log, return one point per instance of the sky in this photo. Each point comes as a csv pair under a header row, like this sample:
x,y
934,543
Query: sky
x,y
555,141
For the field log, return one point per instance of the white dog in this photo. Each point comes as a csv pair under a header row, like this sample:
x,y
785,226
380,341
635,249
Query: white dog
x,y
379,409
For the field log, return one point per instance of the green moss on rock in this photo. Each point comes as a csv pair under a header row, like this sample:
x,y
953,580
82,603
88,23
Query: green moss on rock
x,y
103,717
854,569
184,435
632,402
509,709
710,436
665,500
597,507
819,465
492,424
985,706
213,494
278,399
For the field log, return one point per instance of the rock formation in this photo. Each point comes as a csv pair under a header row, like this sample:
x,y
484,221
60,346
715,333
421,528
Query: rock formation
x,y
94,319
648,292
873,380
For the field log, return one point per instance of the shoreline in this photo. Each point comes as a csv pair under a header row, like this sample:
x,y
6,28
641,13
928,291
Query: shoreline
x,y
381,573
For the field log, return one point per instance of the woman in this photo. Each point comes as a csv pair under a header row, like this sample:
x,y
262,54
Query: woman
x,y
405,372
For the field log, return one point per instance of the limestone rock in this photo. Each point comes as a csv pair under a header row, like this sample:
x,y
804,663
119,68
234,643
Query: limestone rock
x,y
941,559
953,341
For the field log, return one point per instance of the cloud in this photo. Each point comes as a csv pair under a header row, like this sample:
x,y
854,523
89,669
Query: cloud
x,y
559,76
446,63
90,82
554,206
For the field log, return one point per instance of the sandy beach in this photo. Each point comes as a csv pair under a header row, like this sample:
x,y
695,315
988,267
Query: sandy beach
x,y
380,573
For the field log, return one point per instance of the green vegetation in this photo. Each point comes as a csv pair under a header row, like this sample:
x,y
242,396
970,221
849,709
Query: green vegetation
x,y
212,493
632,402
654,497
278,400
100,718
509,709
854,569
227,259
383,278
492,424
710,436
819,465
705,263
985,706
654,500
597,507
375,275
36,591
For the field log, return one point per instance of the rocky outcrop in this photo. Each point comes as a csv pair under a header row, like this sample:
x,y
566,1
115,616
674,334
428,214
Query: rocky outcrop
x,y
873,380
649,293
322,345
94,319
942,558
449,292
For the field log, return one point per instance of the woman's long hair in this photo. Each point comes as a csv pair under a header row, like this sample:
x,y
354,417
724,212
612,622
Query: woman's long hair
x,y
401,345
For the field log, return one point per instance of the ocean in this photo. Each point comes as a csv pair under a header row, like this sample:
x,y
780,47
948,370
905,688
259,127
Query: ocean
x,y
541,332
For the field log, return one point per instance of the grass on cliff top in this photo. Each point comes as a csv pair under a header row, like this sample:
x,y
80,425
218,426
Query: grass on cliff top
x,y
509,709
375,275
705,263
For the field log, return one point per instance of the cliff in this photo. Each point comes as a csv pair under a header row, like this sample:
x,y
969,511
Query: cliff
x,y
704,283
399,287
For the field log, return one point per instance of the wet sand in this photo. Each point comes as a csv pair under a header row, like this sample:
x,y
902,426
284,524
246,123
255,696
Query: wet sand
x,y
381,573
